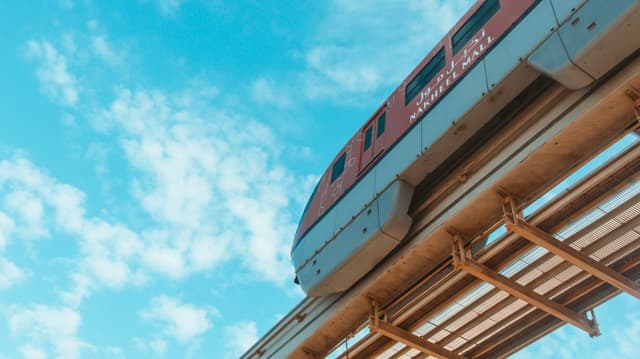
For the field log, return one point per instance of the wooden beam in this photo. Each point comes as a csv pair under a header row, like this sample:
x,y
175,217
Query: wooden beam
x,y
573,256
407,338
519,291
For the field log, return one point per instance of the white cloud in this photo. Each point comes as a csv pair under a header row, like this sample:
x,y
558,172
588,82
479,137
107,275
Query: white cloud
x,y
210,178
265,91
10,274
108,249
240,337
55,326
180,321
170,7
7,226
155,346
30,210
105,51
31,352
53,73
158,346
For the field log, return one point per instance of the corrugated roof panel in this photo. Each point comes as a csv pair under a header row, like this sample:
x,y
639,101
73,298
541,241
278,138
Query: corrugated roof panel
x,y
547,286
508,310
461,321
596,234
579,224
550,264
614,246
534,255
629,214
533,274
480,328
446,314
498,297
456,344
568,273
622,197
513,268
424,328
439,336
476,293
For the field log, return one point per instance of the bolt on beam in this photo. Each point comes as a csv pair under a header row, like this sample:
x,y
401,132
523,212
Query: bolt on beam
x,y
516,224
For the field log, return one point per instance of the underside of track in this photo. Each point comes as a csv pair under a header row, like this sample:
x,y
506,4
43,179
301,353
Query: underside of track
x,y
497,256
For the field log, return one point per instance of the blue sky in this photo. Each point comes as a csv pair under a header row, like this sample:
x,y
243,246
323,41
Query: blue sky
x,y
155,156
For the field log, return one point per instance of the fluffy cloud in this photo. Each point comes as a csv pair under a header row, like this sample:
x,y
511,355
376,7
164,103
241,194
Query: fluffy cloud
x,y
105,51
54,326
155,346
240,337
10,274
30,196
180,321
169,8
53,73
31,352
211,179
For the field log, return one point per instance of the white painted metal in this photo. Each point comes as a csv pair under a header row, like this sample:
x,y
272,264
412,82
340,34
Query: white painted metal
x,y
596,37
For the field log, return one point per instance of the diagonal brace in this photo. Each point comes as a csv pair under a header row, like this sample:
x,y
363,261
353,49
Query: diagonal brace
x,y
407,338
516,224
463,262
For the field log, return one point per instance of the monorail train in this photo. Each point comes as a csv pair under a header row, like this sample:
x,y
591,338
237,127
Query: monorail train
x,y
358,211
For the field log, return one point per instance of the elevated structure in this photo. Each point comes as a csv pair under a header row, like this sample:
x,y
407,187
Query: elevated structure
x,y
455,289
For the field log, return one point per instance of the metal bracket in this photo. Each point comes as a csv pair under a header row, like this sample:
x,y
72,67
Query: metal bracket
x,y
486,274
515,223
594,323
634,95
383,327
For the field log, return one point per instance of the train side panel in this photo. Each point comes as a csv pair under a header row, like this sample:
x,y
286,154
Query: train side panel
x,y
589,41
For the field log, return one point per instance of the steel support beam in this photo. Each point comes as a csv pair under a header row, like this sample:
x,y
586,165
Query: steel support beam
x,y
462,261
407,338
516,224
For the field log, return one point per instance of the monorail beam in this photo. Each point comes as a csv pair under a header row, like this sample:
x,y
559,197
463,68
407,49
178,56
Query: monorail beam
x,y
519,226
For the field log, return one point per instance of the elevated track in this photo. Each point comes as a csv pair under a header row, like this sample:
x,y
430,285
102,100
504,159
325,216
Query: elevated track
x,y
494,260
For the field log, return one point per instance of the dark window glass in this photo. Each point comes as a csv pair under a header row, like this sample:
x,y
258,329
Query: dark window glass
x,y
338,167
381,124
368,136
424,76
475,23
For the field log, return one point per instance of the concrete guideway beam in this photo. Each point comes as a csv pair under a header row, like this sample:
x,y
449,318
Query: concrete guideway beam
x,y
462,261
407,338
515,223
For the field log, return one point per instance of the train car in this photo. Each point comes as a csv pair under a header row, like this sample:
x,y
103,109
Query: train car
x,y
358,211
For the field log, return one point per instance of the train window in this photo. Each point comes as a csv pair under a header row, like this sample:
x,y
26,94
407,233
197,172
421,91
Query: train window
x,y
424,76
381,124
338,167
368,136
474,24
